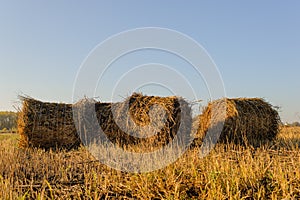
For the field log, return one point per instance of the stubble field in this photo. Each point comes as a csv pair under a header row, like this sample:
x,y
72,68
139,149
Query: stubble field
x,y
228,172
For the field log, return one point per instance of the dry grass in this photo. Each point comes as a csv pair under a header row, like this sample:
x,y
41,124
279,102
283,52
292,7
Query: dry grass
x,y
228,172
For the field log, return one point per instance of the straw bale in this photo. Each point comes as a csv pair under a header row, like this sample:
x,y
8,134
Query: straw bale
x,y
248,121
140,121
146,122
47,125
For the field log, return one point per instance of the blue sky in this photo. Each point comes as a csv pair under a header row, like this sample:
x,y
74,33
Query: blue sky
x,y
255,44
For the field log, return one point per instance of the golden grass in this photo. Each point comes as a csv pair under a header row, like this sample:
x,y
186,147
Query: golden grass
x,y
9,136
228,172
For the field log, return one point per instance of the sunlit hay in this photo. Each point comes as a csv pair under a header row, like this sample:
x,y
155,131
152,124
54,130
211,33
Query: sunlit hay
x,y
249,121
140,123
46,125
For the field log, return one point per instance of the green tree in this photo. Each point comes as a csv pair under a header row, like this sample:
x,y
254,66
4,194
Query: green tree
x,y
8,120
295,124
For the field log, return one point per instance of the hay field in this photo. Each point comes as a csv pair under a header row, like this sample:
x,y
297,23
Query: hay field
x,y
229,172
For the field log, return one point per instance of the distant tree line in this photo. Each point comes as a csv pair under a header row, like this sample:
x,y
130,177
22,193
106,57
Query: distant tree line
x,y
292,124
8,121
295,124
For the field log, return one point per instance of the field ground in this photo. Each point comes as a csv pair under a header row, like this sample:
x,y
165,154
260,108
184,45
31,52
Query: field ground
x,y
9,136
228,172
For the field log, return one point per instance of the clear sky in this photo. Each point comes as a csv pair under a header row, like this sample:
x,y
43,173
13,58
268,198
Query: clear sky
x,y
255,44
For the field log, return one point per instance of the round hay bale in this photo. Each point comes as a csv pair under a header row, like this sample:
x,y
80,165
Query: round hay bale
x,y
248,121
47,125
142,123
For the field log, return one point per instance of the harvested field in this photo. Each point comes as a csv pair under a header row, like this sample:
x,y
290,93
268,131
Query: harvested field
x,y
248,121
236,173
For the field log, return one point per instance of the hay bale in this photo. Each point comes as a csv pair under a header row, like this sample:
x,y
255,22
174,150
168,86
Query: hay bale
x,y
248,121
46,125
136,122
144,122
